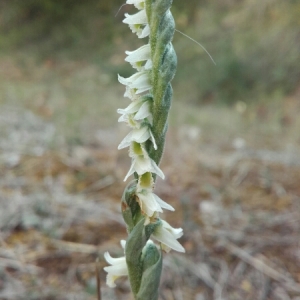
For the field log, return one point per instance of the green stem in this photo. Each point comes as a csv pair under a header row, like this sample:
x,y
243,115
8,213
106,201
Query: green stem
x,y
164,61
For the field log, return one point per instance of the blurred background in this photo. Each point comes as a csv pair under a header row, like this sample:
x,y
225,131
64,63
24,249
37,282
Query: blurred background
x,y
232,159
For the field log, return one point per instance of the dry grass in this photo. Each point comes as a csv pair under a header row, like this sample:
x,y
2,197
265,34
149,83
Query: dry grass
x,y
232,174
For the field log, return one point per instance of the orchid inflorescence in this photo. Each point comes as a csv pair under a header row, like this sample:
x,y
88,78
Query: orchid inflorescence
x,y
150,93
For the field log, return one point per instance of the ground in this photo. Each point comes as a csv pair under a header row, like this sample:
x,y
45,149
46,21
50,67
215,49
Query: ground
x,y
232,173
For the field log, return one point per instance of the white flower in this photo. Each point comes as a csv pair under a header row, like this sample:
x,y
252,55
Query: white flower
x,y
141,30
139,82
141,162
118,267
139,135
168,236
138,23
139,4
138,57
130,93
140,109
149,202
131,122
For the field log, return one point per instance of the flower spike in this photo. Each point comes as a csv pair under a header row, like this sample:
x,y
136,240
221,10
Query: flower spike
x,y
150,94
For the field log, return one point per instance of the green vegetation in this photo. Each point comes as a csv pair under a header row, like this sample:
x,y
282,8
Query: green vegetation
x,y
255,44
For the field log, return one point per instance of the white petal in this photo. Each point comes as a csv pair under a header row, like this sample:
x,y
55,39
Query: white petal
x,y
138,18
133,123
165,237
110,280
126,141
117,270
138,29
148,204
123,118
141,54
129,119
143,89
145,32
130,93
142,83
150,120
130,172
148,65
141,135
123,244
139,81
143,112
118,267
163,204
143,138
138,135
139,4
155,169
177,232
131,108
138,66
111,260
142,165
128,81
124,81
141,30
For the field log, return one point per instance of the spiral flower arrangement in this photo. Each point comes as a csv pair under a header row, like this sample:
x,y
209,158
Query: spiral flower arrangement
x,y
150,92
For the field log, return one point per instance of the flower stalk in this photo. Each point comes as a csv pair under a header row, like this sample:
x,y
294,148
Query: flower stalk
x,y
150,92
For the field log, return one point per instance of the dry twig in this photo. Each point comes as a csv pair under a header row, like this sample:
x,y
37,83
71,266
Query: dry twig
x,y
262,267
97,270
